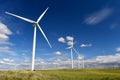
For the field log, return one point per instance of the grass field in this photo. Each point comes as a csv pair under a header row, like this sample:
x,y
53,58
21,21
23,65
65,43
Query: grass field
x,y
63,74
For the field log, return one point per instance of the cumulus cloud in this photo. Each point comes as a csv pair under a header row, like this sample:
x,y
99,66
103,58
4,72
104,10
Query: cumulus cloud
x,y
4,29
98,16
70,43
58,53
61,39
85,45
4,39
4,32
69,38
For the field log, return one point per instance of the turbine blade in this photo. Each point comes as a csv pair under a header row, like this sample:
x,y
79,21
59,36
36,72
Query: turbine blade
x,y
42,15
44,35
25,19
69,47
76,51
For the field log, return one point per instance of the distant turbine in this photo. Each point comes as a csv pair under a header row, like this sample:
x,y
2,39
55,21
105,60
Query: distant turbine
x,y
73,49
80,58
35,24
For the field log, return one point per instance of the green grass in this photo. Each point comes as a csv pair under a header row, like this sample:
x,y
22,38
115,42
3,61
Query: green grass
x,y
63,74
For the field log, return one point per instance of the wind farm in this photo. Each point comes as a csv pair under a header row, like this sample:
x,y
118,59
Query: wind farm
x,y
81,40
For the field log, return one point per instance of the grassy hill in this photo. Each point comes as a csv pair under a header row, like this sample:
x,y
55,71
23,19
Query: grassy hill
x,y
63,74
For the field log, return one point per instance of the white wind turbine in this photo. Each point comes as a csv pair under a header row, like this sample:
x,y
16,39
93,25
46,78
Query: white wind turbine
x,y
73,49
80,58
35,24
80,61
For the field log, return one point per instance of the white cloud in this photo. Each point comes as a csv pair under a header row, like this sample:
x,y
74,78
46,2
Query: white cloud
x,y
58,53
85,45
4,29
7,49
108,58
39,61
70,43
61,39
4,48
3,37
66,63
4,32
113,58
97,62
8,60
42,62
98,16
118,49
2,62
69,38
81,57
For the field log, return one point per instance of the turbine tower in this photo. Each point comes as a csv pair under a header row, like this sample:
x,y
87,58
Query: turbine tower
x,y
35,24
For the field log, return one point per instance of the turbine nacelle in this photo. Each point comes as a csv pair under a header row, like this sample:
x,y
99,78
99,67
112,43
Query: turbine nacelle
x,y
35,24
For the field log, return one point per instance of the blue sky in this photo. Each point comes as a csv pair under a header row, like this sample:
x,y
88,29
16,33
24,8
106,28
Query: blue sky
x,y
94,24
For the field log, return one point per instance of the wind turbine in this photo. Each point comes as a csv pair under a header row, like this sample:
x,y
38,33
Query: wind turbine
x,y
79,56
71,50
35,24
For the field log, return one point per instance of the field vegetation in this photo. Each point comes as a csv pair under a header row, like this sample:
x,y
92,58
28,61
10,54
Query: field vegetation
x,y
62,74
